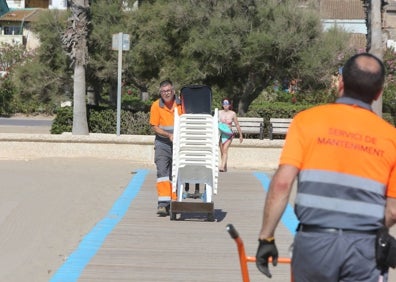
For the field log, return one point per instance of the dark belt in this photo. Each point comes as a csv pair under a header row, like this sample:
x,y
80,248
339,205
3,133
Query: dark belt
x,y
317,229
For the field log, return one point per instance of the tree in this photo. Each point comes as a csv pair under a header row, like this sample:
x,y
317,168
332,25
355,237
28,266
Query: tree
x,y
7,92
107,19
237,47
48,75
44,75
11,55
75,39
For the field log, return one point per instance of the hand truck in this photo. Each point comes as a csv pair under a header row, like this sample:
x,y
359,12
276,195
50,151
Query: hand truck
x,y
244,259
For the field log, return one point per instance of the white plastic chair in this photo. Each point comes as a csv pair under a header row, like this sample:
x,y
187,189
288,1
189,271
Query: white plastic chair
x,y
195,153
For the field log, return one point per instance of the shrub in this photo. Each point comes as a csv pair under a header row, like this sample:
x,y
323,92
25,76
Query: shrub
x,y
389,118
63,121
104,120
7,91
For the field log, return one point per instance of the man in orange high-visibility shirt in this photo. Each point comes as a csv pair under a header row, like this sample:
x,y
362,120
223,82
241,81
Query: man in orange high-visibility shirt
x,y
345,159
161,121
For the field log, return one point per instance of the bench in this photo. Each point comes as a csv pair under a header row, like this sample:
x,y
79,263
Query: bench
x,y
278,126
250,125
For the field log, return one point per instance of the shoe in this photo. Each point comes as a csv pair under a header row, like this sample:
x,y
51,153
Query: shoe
x,y
161,211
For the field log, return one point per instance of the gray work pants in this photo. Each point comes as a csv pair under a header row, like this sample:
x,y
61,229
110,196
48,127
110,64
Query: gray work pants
x,y
163,159
334,257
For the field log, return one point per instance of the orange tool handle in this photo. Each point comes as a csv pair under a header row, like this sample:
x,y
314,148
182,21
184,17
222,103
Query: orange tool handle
x,y
280,260
243,259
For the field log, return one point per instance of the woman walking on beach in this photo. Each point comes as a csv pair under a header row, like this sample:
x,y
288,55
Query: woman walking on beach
x,y
226,118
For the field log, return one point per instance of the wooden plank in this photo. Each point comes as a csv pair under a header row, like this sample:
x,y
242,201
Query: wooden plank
x,y
282,131
250,125
281,120
248,130
253,119
279,126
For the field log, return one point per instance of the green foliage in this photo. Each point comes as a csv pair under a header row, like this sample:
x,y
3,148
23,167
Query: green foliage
x,y
135,104
389,118
11,55
63,121
389,98
315,97
49,28
301,98
135,123
40,84
321,60
107,19
277,109
32,107
104,120
235,47
44,78
7,92
389,94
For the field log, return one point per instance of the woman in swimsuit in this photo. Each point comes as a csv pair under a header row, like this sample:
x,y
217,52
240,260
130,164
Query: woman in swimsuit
x,y
227,116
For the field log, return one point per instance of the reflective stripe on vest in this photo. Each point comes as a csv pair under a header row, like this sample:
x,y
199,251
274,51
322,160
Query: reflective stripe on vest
x,y
168,129
334,199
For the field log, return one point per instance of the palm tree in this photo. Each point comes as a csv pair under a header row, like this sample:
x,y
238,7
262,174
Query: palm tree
x,y
75,41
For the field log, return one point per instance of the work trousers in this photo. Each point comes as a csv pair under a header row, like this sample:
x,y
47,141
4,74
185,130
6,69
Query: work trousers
x,y
163,162
335,257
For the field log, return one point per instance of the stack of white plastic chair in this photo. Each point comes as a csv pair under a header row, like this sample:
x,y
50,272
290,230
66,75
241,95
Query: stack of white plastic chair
x,y
195,153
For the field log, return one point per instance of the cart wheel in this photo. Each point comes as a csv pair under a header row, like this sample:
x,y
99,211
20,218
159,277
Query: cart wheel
x,y
172,216
211,217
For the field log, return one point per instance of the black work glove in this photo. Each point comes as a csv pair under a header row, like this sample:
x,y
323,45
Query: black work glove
x,y
265,250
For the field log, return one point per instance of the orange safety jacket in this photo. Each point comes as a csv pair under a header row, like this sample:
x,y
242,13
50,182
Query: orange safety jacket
x,y
162,116
347,160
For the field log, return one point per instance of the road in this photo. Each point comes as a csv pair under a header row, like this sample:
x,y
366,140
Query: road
x,y
38,125
25,122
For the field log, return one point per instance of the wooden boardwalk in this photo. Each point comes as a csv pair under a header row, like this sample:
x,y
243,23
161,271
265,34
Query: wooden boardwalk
x,y
144,247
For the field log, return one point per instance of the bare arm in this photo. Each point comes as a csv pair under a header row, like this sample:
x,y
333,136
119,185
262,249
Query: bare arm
x,y
162,132
235,120
390,212
277,199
